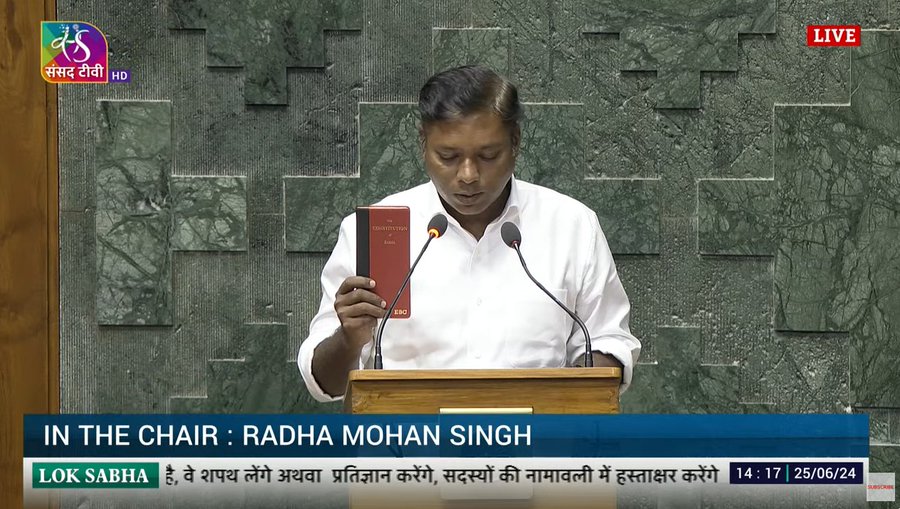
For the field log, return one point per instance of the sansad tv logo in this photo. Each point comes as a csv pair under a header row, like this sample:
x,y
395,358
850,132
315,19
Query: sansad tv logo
x,y
76,52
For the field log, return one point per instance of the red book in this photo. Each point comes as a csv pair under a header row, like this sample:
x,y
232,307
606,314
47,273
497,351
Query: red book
x,y
382,252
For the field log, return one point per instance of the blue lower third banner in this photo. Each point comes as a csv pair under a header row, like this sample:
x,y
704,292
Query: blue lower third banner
x,y
413,461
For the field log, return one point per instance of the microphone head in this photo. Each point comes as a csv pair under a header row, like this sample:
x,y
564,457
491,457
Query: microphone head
x,y
437,226
510,234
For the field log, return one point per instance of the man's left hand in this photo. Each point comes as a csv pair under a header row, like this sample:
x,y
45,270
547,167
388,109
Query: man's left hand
x,y
601,360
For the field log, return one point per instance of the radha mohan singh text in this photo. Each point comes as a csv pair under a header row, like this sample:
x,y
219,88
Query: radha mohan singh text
x,y
387,434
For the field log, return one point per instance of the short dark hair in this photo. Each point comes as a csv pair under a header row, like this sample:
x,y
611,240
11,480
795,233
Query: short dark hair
x,y
469,89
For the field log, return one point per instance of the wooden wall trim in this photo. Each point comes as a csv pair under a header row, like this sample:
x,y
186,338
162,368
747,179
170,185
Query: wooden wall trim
x,y
29,236
52,117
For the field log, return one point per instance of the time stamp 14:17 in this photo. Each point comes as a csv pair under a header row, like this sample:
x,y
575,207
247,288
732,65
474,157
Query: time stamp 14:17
x,y
796,473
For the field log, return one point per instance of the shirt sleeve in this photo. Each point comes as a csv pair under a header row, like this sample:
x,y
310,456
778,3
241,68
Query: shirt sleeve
x,y
339,266
603,305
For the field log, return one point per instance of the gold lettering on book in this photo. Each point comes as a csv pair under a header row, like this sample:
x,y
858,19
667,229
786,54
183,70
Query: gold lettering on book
x,y
390,228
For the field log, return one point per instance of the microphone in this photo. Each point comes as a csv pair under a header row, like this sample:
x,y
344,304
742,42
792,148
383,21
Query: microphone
x,y
512,237
436,227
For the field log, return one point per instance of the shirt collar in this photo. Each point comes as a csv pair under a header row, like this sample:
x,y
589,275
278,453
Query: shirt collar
x,y
510,211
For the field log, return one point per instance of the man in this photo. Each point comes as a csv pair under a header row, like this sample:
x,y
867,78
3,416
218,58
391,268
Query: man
x,y
472,306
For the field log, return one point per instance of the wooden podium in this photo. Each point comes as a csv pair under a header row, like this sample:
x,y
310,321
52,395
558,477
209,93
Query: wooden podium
x,y
539,391
545,391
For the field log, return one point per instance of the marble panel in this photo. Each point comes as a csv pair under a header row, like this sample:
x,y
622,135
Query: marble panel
x,y
622,131
134,156
257,380
546,58
678,382
553,156
132,370
134,285
210,213
884,424
212,302
314,208
390,154
811,373
397,40
266,38
838,186
133,214
629,212
735,217
451,47
836,225
679,40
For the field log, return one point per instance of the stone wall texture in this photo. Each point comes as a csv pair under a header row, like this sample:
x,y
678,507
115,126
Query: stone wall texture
x,y
749,187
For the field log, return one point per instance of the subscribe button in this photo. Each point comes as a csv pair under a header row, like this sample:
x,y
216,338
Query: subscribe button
x,y
94,475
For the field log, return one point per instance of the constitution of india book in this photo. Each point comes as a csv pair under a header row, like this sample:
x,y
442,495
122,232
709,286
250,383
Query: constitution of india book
x,y
382,252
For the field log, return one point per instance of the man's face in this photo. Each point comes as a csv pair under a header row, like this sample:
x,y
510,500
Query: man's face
x,y
470,160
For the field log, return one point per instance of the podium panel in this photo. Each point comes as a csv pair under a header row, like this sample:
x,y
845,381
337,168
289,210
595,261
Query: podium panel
x,y
545,391
540,391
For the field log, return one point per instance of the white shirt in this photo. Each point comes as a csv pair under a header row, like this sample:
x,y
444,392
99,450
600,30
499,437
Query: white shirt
x,y
471,304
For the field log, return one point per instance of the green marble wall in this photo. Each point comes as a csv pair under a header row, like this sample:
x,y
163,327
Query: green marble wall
x,y
748,186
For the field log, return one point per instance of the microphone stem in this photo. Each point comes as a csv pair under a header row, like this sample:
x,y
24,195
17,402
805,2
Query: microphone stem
x,y
379,362
588,358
